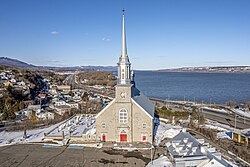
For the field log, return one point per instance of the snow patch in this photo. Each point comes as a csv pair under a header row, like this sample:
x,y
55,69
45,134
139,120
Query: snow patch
x,y
166,131
162,161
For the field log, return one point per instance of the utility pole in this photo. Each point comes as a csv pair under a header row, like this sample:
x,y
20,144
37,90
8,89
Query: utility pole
x,y
202,106
235,122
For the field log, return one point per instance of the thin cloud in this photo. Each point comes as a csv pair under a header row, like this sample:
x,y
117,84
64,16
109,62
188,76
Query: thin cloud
x,y
49,62
54,61
54,33
105,39
88,60
219,62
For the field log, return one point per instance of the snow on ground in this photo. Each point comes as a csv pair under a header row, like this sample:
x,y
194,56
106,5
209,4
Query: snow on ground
x,y
241,112
222,135
215,127
214,109
77,126
85,125
246,131
223,127
162,161
166,131
164,120
35,135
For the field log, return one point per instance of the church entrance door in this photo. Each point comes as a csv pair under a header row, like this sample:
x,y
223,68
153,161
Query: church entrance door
x,y
123,137
103,138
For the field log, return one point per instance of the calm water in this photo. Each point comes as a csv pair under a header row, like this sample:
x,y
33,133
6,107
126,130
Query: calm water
x,y
214,87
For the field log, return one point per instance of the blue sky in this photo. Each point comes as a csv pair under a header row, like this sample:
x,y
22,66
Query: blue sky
x,y
160,33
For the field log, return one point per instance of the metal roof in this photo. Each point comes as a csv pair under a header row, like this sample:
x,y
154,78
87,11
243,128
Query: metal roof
x,y
143,101
185,145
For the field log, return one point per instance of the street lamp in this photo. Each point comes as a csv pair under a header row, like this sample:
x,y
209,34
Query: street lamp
x,y
152,154
235,121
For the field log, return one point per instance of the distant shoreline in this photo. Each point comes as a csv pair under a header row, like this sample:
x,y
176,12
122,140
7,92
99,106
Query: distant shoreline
x,y
235,72
224,69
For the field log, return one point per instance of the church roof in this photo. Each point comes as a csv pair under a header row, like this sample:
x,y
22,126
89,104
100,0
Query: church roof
x,y
184,145
143,101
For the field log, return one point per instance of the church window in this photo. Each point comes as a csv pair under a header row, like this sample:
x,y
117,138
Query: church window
x,y
122,70
103,125
144,125
127,73
122,75
123,116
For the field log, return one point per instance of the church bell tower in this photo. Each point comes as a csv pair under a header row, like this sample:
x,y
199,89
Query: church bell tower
x,y
124,71
124,80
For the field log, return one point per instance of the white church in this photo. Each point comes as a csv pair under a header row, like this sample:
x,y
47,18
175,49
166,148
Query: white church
x,y
130,116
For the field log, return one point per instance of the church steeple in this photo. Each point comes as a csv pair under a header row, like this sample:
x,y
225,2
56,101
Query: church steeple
x,y
124,72
124,45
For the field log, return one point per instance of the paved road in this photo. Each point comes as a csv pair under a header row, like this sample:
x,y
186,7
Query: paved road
x,y
69,80
224,118
241,122
38,156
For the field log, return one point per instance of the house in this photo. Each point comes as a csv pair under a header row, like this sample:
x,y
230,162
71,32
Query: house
x,y
60,103
76,98
20,83
28,113
63,87
129,117
45,115
61,109
185,150
31,109
3,76
7,84
28,102
73,105
13,80
53,91
42,95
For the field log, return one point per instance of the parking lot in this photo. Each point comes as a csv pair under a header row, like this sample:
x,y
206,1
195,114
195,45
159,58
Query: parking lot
x,y
35,155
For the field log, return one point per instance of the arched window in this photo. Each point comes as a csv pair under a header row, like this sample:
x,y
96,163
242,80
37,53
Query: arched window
x,y
103,125
122,75
123,116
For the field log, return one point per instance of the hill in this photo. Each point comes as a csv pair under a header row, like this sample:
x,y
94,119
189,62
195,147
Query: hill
x,y
15,63
5,61
209,69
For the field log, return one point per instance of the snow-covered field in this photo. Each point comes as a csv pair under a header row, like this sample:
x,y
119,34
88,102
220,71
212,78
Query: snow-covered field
x,y
77,126
84,125
35,135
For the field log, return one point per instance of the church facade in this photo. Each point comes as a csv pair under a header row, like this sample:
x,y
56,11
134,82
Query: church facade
x,y
129,117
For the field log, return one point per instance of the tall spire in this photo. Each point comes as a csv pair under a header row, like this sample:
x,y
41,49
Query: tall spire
x,y
124,45
124,73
